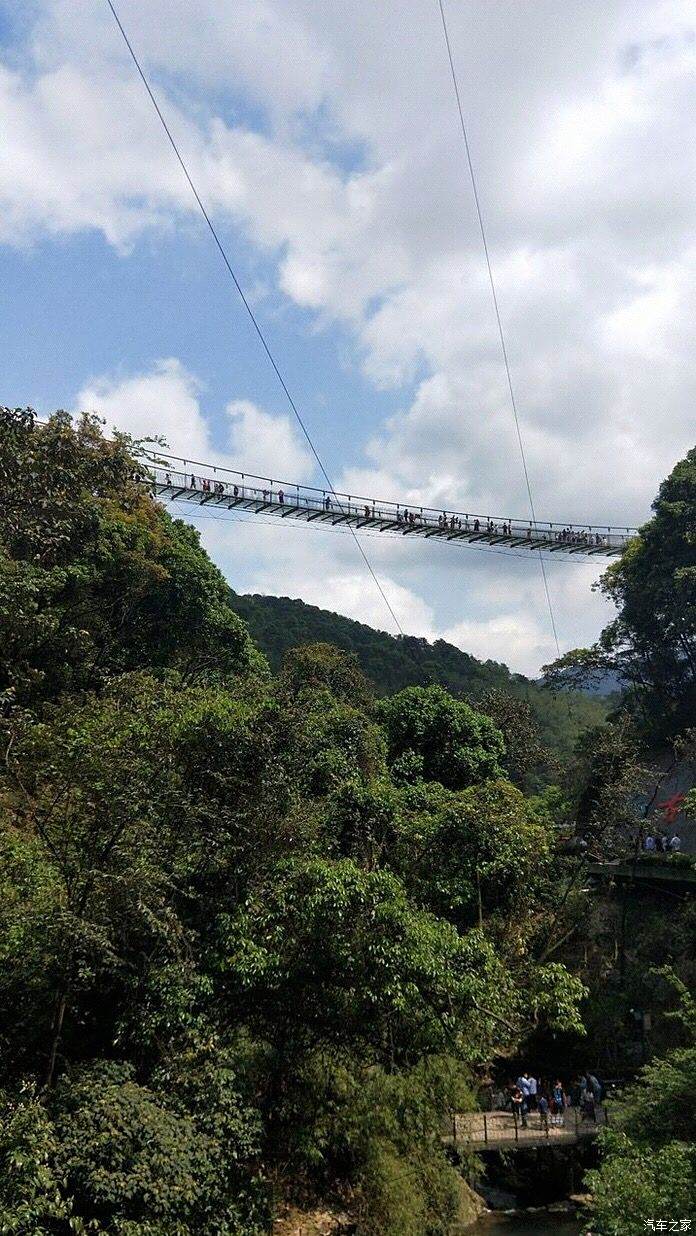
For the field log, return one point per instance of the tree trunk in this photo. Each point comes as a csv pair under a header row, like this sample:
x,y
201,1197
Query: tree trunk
x,y
57,1030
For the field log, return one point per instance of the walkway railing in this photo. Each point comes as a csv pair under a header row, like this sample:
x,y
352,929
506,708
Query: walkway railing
x,y
205,484
495,1130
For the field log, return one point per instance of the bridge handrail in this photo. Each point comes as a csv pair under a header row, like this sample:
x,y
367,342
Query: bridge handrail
x,y
513,1131
351,504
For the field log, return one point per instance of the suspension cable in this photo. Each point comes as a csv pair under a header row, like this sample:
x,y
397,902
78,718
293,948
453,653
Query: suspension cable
x,y
247,305
501,332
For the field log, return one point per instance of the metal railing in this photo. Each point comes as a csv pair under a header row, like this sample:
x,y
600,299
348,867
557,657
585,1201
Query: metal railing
x,y
493,1129
207,483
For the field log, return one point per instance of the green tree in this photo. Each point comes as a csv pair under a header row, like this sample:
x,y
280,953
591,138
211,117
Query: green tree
x,y
432,736
651,646
95,578
485,852
526,761
649,1161
315,666
112,1156
328,953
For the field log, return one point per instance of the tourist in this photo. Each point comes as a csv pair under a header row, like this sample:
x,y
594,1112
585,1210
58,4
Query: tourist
x,y
675,844
281,497
559,1103
649,844
524,1084
477,525
519,1110
543,1106
587,1100
532,1096
499,1101
167,479
193,481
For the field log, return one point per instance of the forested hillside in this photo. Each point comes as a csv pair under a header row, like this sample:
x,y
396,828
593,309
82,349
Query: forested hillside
x,y
394,662
263,932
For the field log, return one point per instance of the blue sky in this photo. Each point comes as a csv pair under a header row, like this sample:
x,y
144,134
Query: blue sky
x,y
325,141
78,309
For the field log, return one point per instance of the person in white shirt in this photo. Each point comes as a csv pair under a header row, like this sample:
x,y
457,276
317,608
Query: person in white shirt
x,y
649,843
675,844
532,1098
523,1083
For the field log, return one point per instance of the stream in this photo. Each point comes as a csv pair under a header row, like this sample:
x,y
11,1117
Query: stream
x,y
531,1225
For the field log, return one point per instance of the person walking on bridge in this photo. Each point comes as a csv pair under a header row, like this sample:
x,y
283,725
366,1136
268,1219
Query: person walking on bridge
x,y
523,1085
559,1103
519,1110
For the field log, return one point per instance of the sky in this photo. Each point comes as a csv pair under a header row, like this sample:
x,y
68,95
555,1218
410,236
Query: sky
x,y
324,140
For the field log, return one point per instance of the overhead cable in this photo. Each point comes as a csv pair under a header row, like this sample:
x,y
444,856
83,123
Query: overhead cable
x,y
494,294
247,305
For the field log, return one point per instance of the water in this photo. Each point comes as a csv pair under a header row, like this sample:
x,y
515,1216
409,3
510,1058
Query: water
x,y
531,1225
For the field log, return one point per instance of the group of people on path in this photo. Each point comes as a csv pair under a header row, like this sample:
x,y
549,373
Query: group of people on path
x,y
550,1101
659,843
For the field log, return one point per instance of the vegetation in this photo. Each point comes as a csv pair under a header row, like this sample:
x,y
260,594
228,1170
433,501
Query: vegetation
x,y
651,646
557,717
649,1165
237,962
263,927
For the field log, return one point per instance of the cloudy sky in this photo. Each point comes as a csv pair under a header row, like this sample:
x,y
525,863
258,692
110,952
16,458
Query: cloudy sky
x,y
325,140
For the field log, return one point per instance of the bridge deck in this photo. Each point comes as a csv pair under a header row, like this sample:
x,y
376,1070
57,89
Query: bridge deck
x,y
500,1130
651,872
217,487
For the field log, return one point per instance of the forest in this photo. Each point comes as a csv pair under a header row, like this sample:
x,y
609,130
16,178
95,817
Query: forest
x,y
559,717
267,919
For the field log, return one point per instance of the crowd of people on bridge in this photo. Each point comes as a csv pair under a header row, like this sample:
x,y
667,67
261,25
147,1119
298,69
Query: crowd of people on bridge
x,y
660,843
550,1100
401,517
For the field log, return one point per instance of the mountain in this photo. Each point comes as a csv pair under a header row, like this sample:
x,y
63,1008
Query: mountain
x,y
393,662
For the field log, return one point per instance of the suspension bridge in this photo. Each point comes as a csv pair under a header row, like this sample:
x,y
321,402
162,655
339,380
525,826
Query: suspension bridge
x,y
191,482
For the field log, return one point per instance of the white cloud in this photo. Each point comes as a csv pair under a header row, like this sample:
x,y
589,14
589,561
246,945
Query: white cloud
x,y
165,401
331,141
508,637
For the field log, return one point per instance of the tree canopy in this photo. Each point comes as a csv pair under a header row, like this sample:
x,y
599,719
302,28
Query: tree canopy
x,y
260,932
650,647
433,737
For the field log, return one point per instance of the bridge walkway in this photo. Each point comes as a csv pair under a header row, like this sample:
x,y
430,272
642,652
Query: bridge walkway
x,y
220,487
501,1131
651,872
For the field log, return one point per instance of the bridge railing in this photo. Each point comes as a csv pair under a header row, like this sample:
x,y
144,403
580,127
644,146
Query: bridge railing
x,y
493,1129
205,482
